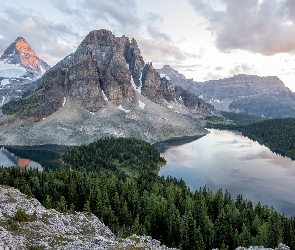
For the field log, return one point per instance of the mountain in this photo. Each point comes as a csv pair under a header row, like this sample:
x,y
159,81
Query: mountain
x,y
105,88
251,94
19,68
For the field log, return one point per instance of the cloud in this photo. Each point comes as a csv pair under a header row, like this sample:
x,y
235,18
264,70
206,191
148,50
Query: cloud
x,y
153,22
121,13
259,26
63,6
159,50
49,40
212,76
242,69
219,68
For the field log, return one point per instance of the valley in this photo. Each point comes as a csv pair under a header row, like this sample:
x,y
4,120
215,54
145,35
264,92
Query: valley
x,y
100,109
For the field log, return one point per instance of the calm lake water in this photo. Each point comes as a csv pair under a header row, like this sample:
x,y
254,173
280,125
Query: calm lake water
x,y
221,159
41,156
227,160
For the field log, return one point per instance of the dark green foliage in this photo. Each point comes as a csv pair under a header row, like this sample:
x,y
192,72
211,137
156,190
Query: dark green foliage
x,y
116,179
242,118
21,216
12,224
35,247
277,134
25,103
166,209
128,154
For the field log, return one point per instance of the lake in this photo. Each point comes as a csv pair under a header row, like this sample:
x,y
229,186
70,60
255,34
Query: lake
x,y
41,156
221,159
228,160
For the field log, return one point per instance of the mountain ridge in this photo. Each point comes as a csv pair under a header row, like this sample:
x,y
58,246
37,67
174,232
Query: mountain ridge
x,y
260,96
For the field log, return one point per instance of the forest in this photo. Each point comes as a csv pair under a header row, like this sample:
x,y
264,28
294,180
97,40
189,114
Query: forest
x,y
146,204
277,134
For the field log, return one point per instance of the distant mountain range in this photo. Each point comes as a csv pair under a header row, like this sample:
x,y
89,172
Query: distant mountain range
x,y
261,96
19,69
104,88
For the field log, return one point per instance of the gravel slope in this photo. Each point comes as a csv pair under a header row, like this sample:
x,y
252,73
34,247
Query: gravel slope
x,y
72,125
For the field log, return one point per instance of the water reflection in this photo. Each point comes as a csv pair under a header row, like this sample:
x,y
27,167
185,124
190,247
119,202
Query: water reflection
x,y
227,160
8,159
40,156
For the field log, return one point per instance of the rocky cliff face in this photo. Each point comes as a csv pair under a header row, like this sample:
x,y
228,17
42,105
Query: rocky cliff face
x,y
19,69
261,96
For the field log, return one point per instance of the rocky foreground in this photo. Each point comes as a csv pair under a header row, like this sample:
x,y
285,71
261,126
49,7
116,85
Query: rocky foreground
x,y
49,229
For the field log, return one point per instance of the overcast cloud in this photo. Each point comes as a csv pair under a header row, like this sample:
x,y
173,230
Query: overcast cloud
x,y
260,26
122,13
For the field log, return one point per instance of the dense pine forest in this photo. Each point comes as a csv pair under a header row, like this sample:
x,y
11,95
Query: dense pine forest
x,y
147,204
276,134
241,118
128,154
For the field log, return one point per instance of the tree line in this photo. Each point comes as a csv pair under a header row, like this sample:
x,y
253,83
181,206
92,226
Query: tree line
x,y
277,134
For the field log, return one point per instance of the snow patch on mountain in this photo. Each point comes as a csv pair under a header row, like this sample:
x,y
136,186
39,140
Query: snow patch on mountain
x,y
141,104
140,86
42,70
104,96
138,89
11,70
164,75
4,82
125,110
2,102
64,102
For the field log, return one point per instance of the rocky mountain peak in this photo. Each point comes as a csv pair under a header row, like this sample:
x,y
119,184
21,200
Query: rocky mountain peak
x,y
20,52
173,75
104,69
20,67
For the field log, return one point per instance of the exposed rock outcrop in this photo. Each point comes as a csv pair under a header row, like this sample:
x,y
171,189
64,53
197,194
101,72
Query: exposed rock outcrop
x,y
49,229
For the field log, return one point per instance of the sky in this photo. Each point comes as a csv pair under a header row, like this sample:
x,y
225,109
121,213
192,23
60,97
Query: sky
x,y
202,39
